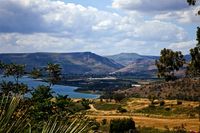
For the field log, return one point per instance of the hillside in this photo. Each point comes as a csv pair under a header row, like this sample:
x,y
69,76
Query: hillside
x,y
129,58
76,63
134,63
183,89
140,65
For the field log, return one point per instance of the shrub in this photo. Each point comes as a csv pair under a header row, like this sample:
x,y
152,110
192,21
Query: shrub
x,y
179,102
121,125
104,122
167,108
121,110
118,97
162,103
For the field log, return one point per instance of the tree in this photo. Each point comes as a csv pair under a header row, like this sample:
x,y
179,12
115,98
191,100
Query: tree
x,y
122,126
36,73
15,70
41,108
54,73
193,69
118,97
191,2
169,63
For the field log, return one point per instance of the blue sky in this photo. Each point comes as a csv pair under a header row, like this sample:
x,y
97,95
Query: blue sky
x,y
104,27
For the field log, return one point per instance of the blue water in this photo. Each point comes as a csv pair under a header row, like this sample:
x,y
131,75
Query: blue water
x,y
58,89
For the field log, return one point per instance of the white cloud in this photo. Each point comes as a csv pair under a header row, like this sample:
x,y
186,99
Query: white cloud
x,y
184,16
160,31
55,26
183,46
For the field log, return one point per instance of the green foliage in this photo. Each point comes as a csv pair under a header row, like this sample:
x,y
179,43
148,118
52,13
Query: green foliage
x,y
41,108
168,63
96,126
14,120
104,122
13,88
193,69
42,93
85,103
152,97
70,125
15,70
162,103
121,110
36,73
118,97
54,73
10,121
122,125
179,102
169,111
106,106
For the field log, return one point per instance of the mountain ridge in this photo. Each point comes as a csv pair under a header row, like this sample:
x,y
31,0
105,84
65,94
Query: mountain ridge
x,y
76,62
88,62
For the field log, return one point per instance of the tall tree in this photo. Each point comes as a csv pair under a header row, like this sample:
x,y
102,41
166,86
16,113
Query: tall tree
x,y
169,63
193,69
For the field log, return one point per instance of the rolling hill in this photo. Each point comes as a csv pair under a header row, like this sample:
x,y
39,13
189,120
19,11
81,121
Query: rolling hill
x,y
76,63
135,63
89,63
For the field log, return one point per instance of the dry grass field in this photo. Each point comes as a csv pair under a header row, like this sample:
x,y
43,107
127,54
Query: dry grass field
x,y
160,121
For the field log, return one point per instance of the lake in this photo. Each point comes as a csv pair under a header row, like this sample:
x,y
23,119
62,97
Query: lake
x,y
58,89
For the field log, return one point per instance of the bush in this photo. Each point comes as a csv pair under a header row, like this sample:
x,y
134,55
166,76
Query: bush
x,y
122,125
179,102
85,103
167,108
162,103
95,126
104,122
121,110
106,106
118,97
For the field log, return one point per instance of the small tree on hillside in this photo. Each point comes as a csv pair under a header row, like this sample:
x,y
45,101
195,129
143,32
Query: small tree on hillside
x,y
169,63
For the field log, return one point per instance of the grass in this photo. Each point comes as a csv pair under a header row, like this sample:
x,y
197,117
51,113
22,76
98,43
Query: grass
x,y
106,106
169,111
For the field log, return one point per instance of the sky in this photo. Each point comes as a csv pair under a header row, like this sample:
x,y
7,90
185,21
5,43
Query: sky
x,y
105,27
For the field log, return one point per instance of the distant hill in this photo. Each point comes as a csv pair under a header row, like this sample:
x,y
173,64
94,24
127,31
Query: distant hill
x,y
89,63
76,63
129,58
135,63
139,64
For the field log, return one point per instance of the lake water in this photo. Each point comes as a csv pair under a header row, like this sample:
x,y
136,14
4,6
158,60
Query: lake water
x,y
58,89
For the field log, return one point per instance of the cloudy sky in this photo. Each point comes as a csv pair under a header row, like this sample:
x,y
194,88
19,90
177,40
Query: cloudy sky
x,y
104,27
